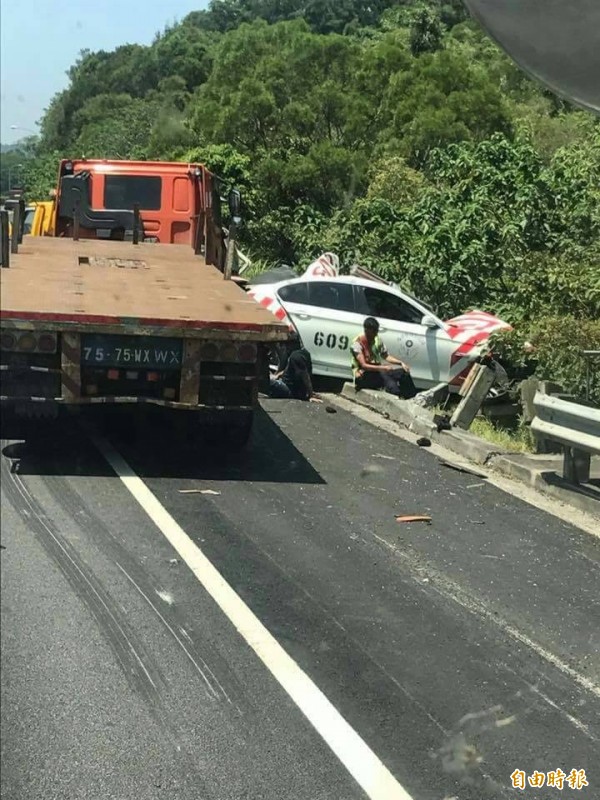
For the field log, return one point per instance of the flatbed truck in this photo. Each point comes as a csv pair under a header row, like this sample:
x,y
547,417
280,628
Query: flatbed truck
x,y
124,319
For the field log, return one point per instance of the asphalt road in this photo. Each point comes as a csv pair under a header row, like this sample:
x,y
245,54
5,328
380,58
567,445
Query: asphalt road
x,y
458,651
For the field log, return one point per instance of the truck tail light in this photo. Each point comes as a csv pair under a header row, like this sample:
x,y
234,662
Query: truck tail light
x,y
228,352
8,341
247,352
209,352
29,342
112,374
47,342
152,376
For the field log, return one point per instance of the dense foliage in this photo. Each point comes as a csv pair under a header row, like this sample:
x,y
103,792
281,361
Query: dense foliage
x,y
391,131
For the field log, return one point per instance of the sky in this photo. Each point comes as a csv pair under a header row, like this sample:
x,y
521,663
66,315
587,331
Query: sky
x,y
41,39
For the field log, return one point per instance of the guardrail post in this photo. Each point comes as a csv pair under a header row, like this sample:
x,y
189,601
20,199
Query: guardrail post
x,y
576,465
478,384
16,227
21,219
575,426
4,244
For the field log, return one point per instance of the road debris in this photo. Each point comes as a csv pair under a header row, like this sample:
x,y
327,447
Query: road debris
x,y
442,422
413,518
475,485
424,442
330,410
461,468
173,562
166,597
199,491
381,455
370,469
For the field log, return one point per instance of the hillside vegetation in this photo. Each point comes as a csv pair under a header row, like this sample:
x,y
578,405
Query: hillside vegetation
x,y
394,133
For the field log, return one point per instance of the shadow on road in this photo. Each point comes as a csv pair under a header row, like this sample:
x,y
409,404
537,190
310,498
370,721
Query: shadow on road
x,y
156,445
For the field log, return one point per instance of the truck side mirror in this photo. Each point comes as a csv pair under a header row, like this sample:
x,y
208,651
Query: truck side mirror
x,y
235,204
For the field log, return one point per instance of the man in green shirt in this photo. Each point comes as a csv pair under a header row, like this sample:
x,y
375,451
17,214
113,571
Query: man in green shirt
x,y
370,372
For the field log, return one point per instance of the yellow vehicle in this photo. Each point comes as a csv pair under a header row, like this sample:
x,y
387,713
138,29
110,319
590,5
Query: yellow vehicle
x,y
40,218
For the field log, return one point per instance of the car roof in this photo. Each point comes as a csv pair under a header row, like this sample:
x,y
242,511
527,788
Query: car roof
x,y
336,279
356,281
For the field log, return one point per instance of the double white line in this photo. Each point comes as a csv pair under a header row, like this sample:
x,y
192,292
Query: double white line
x,y
356,756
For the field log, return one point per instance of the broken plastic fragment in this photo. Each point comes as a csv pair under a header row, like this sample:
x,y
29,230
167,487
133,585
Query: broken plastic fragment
x,y
198,491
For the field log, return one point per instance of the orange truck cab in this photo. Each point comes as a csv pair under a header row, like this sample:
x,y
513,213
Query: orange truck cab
x,y
146,201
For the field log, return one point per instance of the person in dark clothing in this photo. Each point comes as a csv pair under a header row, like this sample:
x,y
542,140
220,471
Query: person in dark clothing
x,y
295,380
370,372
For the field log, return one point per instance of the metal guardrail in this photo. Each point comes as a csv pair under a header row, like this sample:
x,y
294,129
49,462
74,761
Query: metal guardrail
x,y
575,426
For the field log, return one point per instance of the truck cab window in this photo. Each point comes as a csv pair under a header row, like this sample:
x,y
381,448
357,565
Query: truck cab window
x,y
124,191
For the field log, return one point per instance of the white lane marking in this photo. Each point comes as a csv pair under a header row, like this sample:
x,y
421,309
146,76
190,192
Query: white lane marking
x,y
581,726
450,590
358,758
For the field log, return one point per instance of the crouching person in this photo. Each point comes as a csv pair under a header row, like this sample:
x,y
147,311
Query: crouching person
x,y
370,372
295,381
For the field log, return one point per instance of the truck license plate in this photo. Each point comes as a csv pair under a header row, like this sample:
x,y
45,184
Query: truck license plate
x,y
145,352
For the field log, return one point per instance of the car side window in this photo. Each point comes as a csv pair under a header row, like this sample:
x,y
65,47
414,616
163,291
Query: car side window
x,y
388,306
329,294
294,293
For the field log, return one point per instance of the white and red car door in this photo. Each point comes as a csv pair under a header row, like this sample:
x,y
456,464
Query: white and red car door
x,y
322,312
425,350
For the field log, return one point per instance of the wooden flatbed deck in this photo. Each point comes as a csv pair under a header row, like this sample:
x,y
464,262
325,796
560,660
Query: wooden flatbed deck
x,y
117,286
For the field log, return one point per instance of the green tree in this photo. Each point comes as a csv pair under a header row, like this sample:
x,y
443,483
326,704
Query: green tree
x,y
443,98
426,32
114,126
184,52
41,176
12,164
